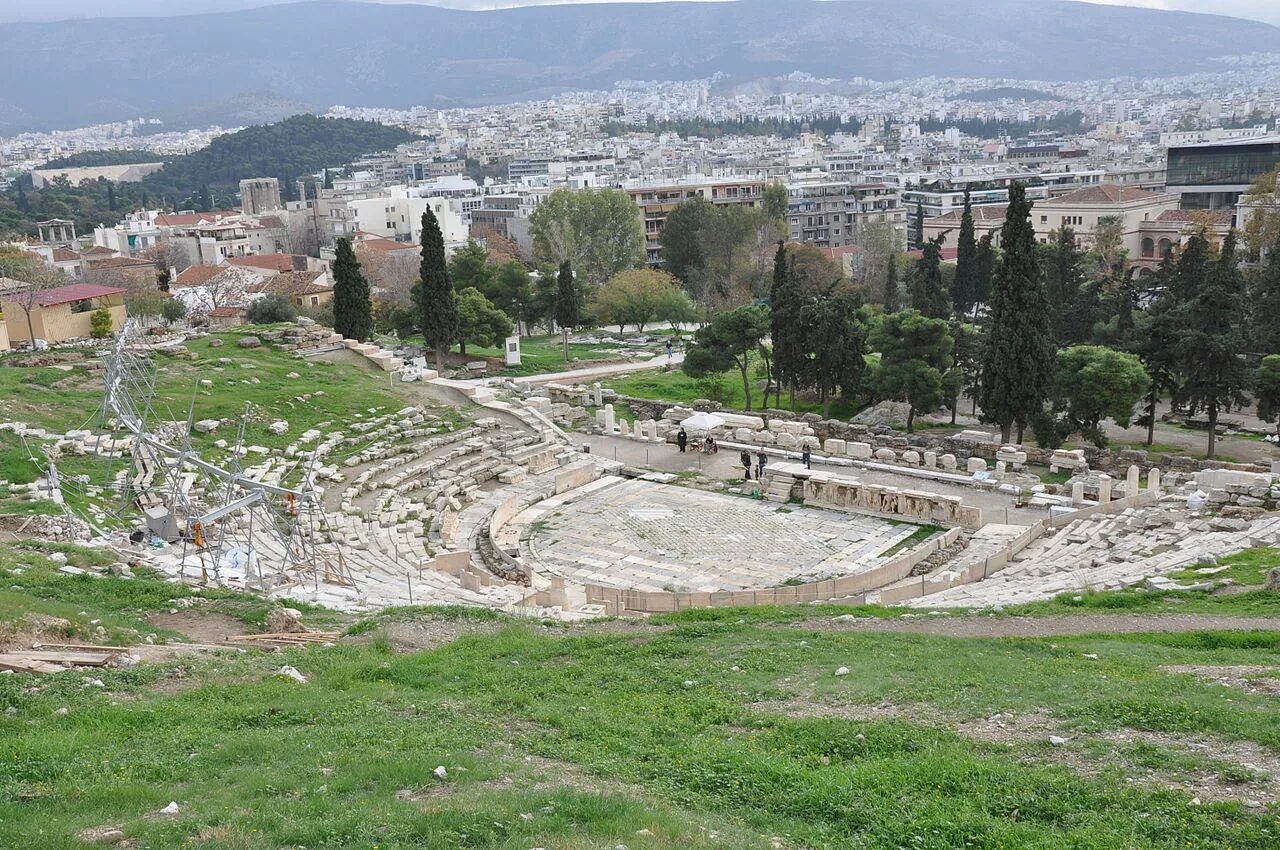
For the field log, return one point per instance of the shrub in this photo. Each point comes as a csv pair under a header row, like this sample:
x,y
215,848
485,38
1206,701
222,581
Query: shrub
x,y
269,310
100,323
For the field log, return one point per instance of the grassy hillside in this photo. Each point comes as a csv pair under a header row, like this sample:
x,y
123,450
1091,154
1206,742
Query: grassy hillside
x,y
670,735
256,380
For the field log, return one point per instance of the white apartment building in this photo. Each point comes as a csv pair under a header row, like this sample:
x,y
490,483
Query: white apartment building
x,y
832,213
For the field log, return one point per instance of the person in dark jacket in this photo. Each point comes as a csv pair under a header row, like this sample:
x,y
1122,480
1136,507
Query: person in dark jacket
x,y
807,457
761,460
682,439
746,464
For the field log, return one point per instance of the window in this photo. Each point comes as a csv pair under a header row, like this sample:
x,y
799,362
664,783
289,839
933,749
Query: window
x,y
315,300
1044,219
1148,247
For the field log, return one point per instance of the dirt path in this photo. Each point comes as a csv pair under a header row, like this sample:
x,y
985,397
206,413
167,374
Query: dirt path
x,y
1067,624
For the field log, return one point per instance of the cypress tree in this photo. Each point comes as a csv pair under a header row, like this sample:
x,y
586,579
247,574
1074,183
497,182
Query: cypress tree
x,y
1264,305
965,291
891,298
111,196
1157,344
434,292
928,295
1070,306
985,263
566,311
919,224
352,302
1019,362
785,327
1212,341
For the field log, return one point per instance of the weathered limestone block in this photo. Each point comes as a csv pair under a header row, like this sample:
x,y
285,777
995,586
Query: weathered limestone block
x,y
976,464
787,440
886,455
948,462
930,460
834,446
911,457
859,451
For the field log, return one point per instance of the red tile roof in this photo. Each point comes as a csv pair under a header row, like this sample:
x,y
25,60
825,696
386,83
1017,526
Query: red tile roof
x,y
75,292
271,262
197,275
64,255
981,214
1218,217
385,246
291,283
226,312
1106,193
120,263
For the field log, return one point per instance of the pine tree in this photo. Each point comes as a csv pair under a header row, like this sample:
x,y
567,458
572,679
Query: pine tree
x,y
891,298
1156,343
434,292
928,294
352,302
567,310
1212,342
965,290
1019,362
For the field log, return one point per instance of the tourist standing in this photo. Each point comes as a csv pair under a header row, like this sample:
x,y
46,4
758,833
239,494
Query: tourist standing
x,y
746,464
807,457
682,440
668,349
761,460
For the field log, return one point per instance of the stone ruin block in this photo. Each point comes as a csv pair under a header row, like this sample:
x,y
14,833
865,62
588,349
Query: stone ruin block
x,y
834,447
809,442
975,464
787,440
859,451
743,435
886,455
911,457
948,462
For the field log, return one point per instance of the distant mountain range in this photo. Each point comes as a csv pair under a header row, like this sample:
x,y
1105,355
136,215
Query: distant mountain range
x,y
72,73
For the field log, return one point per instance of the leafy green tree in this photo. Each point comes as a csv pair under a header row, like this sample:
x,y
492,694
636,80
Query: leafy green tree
x,y
352,301
632,297
269,310
915,353
967,357
479,322
681,240
568,308
676,309
511,290
965,292
1262,221
928,293
775,202
100,323
173,310
1211,340
728,342
597,230
1095,383
433,295
1266,390
1019,362
727,241
1264,304
838,341
469,267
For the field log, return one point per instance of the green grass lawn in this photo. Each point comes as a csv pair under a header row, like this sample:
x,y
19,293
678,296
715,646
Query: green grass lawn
x,y
707,729
678,388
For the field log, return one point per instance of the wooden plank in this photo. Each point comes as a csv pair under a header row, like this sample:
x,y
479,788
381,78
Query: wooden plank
x,y
22,664
76,659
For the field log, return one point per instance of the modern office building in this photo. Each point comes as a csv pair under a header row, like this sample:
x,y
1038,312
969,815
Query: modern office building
x,y
1213,175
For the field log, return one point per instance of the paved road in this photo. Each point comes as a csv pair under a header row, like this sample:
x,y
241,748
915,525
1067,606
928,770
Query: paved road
x,y
591,373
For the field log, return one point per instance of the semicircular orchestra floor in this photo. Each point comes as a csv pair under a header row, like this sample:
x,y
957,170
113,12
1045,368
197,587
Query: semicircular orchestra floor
x,y
645,536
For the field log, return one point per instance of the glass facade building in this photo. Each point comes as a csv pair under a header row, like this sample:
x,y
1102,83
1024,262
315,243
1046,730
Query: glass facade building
x,y
1214,175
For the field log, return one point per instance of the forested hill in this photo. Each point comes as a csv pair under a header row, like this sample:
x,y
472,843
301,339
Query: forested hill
x,y
297,146
94,159
288,149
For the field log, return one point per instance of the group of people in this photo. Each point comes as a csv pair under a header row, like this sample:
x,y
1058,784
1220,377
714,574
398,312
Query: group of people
x,y
708,444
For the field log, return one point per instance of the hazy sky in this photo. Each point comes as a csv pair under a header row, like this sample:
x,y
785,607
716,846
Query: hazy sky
x,y
45,10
